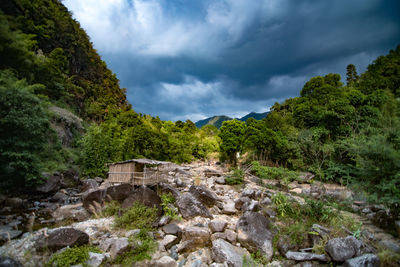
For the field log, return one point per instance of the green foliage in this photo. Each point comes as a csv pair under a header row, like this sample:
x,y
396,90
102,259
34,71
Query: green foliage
x,y
285,207
236,177
112,208
279,173
136,217
166,201
72,256
231,135
24,129
255,259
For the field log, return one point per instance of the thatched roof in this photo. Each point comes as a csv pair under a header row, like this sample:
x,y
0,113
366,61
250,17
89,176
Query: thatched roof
x,y
143,161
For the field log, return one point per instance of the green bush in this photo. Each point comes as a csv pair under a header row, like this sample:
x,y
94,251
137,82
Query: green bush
x,y
166,201
284,206
112,208
236,177
278,173
72,256
137,217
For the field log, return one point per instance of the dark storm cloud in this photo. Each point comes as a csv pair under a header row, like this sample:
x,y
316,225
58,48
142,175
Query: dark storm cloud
x,y
192,59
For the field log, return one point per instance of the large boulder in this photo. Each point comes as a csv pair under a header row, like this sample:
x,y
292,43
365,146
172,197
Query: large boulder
x,y
75,212
366,260
341,249
165,261
9,262
89,184
119,192
118,246
194,237
254,233
190,207
223,251
52,183
204,195
146,196
63,237
168,189
305,256
93,200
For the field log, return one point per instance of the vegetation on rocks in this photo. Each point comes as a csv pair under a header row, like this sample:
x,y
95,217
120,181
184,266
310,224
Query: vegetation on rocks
x,y
138,216
72,256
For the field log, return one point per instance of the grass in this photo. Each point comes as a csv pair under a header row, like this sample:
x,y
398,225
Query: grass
x,y
235,178
112,208
138,216
255,259
286,176
72,256
166,201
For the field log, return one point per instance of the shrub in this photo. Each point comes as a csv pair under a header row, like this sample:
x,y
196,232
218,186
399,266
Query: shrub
x,y
284,206
112,208
72,256
236,177
137,217
278,173
166,201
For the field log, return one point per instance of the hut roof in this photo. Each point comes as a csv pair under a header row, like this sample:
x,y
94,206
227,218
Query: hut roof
x,y
143,161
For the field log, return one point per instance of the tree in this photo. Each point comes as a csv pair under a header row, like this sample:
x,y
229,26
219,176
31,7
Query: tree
x,y
351,74
232,134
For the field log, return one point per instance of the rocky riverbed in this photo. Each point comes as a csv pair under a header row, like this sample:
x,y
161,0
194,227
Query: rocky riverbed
x,y
220,225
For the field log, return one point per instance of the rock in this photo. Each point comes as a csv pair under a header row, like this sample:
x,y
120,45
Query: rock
x,y
93,200
172,229
51,184
254,234
15,203
229,208
266,201
220,180
305,256
391,245
194,237
190,207
59,197
63,237
204,195
366,260
119,192
89,184
305,177
75,212
231,236
217,226
239,202
224,252
8,232
99,180
180,183
118,246
341,249
317,233
169,241
165,261
248,192
9,262
167,189
164,220
146,196
284,244
253,205
95,259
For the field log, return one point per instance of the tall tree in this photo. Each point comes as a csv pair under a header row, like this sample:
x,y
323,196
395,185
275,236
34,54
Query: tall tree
x,y
351,74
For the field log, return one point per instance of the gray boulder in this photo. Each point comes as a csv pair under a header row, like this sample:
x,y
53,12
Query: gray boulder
x,y
8,232
118,246
75,212
305,256
254,233
217,226
93,200
146,196
204,195
119,192
366,260
165,261
95,259
63,237
89,184
341,249
169,241
9,262
224,252
59,197
190,207
52,183
172,229
194,237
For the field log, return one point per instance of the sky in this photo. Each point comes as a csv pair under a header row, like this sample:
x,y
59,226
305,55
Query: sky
x,y
192,59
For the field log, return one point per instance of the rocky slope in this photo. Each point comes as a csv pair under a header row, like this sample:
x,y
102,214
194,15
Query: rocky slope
x,y
220,225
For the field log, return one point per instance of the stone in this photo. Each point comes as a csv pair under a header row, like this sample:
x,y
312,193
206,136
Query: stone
x,y
194,237
172,229
366,260
254,233
95,259
204,195
220,180
165,261
118,246
89,184
93,200
239,202
317,233
218,235
341,249
266,201
9,262
8,232
169,241
217,226
248,192
63,237
75,212
59,197
224,252
51,184
253,205
305,177
119,192
168,189
15,203
164,220
305,256
391,245
174,252
146,196
229,208
284,244
190,207
231,236
99,180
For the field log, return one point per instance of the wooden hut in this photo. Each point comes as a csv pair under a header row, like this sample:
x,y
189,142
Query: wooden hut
x,y
138,171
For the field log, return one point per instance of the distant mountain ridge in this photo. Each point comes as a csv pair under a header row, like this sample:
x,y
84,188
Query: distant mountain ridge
x,y
218,120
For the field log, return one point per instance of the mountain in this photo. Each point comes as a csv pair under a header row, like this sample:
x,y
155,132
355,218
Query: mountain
x,y
218,120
